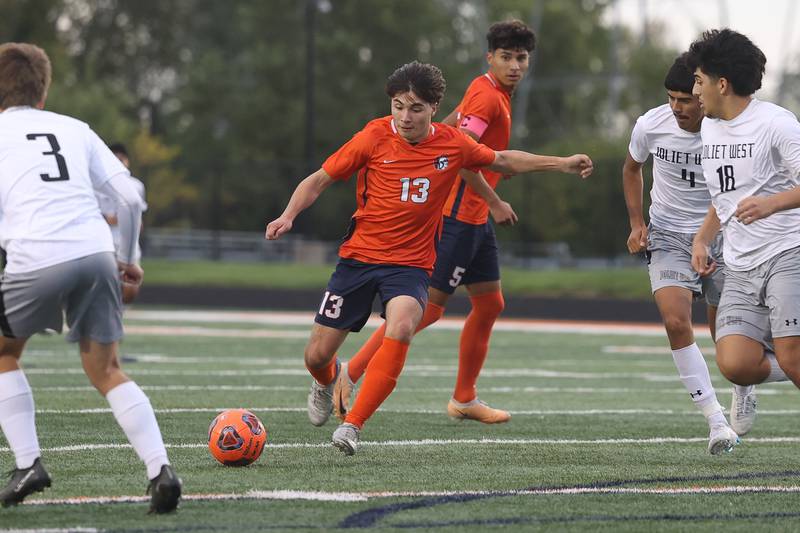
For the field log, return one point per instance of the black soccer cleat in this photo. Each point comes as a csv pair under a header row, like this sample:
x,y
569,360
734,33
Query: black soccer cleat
x,y
24,482
165,491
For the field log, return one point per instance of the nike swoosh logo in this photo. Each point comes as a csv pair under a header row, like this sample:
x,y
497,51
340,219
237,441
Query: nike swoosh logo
x,y
387,161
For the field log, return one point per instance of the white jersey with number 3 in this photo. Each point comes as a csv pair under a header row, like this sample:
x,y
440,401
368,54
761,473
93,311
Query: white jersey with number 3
x,y
755,154
50,165
679,198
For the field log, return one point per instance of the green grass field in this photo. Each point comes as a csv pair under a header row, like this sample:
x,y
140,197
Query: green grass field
x,y
603,437
627,283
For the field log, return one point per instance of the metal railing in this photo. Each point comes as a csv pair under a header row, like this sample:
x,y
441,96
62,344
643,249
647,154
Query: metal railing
x,y
187,244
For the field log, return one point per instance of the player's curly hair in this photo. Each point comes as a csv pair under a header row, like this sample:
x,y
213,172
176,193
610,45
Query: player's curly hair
x,y
680,77
730,55
425,80
25,74
510,35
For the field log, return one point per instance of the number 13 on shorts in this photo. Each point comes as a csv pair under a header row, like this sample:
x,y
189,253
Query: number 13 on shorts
x,y
335,308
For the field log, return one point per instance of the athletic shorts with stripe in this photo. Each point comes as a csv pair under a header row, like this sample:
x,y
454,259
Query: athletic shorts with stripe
x,y
85,290
465,254
669,263
764,302
347,302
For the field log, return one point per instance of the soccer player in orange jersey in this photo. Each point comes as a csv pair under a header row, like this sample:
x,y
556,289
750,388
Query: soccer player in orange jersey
x,y
467,251
409,167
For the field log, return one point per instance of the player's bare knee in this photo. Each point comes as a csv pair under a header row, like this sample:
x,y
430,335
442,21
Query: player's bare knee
x,y
402,330
316,357
738,368
678,326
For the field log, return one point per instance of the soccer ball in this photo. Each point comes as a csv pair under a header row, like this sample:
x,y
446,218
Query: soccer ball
x,y
236,437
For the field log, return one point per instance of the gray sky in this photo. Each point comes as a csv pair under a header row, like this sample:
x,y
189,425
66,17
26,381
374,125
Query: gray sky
x,y
770,24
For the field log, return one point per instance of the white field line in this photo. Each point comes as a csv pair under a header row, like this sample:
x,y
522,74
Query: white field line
x,y
533,412
195,331
53,529
413,370
307,319
766,390
193,360
365,496
649,350
439,442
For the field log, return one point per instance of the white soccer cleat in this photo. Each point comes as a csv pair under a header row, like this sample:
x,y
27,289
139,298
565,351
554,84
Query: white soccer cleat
x,y
743,409
320,400
346,438
722,439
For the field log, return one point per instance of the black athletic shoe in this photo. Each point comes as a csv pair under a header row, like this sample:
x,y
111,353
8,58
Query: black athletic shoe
x,y
23,482
165,491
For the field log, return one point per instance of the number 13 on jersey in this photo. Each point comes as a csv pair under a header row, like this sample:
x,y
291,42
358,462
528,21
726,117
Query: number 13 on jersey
x,y
415,189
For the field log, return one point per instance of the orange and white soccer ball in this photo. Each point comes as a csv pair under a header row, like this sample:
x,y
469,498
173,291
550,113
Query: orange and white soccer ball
x,y
236,437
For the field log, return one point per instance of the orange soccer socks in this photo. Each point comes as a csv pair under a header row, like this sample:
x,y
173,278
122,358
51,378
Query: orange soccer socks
x,y
359,362
475,343
326,374
382,373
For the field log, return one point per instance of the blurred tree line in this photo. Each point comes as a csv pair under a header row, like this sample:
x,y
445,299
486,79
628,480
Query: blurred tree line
x,y
212,98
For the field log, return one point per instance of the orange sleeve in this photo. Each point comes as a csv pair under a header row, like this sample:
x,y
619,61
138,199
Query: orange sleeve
x,y
353,155
476,155
481,104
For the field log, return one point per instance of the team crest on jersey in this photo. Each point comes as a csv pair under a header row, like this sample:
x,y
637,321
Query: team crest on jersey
x,y
441,162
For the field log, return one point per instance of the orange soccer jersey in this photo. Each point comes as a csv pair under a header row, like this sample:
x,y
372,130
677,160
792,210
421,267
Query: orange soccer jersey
x,y
487,101
401,190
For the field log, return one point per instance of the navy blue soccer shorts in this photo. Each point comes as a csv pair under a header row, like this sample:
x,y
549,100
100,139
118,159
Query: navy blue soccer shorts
x,y
347,302
466,254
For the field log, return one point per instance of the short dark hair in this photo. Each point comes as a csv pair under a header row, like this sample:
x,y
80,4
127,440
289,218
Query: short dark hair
x,y
680,77
25,75
511,35
730,55
424,79
118,148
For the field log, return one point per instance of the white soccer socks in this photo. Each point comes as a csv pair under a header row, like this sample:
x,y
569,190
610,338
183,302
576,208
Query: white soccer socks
x,y
776,373
18,418
135,415
694,374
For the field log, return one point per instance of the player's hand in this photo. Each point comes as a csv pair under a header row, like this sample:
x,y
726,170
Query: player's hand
x,y
503,214
702,263
637,240
580,164
278,227
131,274
754,208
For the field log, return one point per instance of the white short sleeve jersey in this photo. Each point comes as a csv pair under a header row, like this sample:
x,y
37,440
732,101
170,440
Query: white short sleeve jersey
x,y
679,198
49,167
755,154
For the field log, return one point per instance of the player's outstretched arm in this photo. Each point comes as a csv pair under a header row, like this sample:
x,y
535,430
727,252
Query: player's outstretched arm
x,y
303,196
502,213
517,162
702,239
633,187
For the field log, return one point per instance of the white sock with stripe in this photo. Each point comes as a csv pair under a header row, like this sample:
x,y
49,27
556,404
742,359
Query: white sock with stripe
x,y
694,374
135,415
18,418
